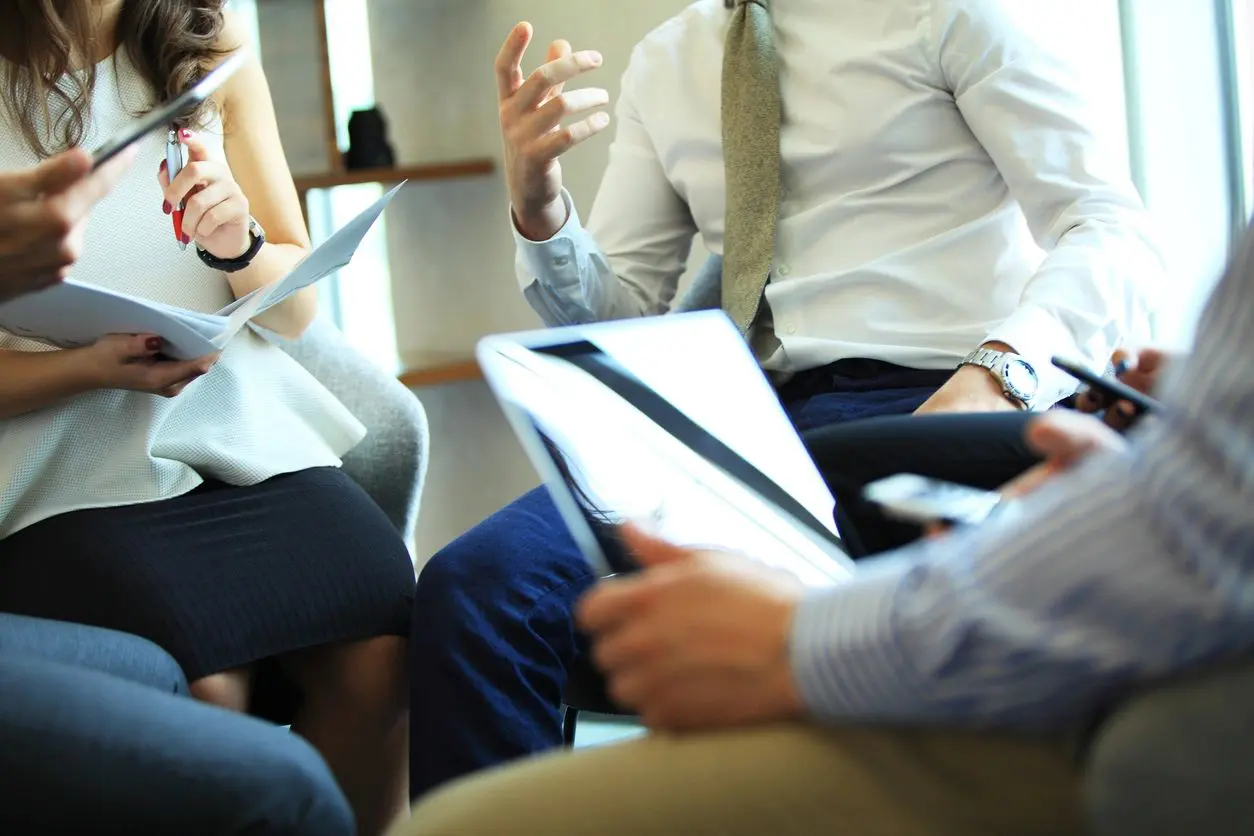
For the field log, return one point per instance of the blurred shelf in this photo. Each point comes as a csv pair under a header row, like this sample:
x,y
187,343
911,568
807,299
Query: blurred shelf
x,y
451,170
441,372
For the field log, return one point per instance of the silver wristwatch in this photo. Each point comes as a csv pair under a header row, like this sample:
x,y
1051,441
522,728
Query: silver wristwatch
x,y
1017,377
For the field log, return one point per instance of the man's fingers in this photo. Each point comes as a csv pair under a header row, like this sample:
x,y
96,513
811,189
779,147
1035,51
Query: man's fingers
x,y
652,551
623,647
556,143
1062,436
565,105
1029,480
558,50
611,601
509,75
538,85
1151,359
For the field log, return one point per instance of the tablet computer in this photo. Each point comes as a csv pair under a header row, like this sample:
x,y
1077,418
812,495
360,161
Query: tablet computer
x,y
161,117
666,422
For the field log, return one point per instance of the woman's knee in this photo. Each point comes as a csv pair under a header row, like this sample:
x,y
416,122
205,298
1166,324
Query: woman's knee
x,y
230,690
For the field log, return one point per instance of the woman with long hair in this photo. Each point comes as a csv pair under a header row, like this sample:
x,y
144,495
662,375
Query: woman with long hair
x,y
198,504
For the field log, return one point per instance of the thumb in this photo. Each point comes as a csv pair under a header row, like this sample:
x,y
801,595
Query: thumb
x,y
56,174
650,550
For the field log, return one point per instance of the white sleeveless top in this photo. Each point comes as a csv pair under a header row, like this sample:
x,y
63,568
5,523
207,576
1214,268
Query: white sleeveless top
x,y
256,414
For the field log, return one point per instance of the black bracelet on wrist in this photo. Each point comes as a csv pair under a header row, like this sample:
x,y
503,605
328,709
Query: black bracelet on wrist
x,y
257,237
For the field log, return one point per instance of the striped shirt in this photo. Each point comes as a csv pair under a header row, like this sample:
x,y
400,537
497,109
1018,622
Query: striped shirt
x,y
1136,565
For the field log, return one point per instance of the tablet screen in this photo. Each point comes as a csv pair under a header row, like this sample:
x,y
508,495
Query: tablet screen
x,y
611,463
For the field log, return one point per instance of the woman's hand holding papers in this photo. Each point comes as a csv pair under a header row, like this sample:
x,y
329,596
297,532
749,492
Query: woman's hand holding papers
x,y
134,362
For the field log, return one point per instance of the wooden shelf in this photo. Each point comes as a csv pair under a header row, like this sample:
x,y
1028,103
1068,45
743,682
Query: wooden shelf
x,y
429,171
436,374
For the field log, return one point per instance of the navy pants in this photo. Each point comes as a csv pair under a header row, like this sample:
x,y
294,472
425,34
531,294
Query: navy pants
x,y
98,736
492,635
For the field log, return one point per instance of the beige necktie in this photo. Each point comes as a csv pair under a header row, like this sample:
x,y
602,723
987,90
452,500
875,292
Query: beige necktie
x,y
751,119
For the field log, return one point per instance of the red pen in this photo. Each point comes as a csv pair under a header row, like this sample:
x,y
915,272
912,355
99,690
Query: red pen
x,y
174,164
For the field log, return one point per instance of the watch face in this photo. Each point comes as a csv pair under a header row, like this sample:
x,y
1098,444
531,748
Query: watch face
x,y
1020,378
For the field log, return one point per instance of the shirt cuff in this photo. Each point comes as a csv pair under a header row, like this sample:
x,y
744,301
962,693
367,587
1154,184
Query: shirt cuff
x,y
1038,336
845,655
554,261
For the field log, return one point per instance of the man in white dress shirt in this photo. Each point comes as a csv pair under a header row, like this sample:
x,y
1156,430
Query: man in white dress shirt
x,y
950,216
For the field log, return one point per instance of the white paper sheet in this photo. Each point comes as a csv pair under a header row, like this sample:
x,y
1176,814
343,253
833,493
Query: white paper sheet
x,y
73,314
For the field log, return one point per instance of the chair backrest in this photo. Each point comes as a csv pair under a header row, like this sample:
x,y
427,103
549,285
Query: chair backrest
x,y
390,464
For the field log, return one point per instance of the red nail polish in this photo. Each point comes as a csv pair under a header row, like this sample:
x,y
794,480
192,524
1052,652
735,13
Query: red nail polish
x,y
166,207
163,167
187,239
185,134
153,343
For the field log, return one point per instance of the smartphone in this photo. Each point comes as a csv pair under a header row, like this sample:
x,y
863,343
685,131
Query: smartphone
x,y
1111,388
911,498
161,117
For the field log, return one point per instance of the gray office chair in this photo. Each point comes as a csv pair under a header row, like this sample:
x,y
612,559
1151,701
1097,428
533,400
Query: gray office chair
x,y
390,464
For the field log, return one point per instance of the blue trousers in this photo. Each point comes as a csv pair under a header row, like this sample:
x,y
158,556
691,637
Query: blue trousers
x,y
98,736
492,635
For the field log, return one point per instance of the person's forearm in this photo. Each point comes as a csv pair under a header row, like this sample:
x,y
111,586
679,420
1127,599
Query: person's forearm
x,y
293,315
543,223
34,380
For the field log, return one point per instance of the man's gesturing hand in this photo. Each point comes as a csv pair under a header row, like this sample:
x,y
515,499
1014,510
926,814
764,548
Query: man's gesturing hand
x,y
532,111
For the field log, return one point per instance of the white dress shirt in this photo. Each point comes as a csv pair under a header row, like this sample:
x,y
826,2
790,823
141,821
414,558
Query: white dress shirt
x,y
918,137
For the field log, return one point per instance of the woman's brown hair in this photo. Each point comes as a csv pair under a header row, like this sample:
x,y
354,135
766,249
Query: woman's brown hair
x,y
173,43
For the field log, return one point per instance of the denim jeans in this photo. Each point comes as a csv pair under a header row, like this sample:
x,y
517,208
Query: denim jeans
x,y
98,736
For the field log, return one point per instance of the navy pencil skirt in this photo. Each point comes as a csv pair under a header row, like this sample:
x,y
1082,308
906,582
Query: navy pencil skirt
x,y
223,577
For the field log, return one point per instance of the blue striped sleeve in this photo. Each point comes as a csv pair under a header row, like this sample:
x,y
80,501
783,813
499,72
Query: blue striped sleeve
x,y
1137,565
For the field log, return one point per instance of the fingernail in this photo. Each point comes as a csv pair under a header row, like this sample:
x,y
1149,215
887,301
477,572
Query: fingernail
x,y
1126,409
153,343
164,166
166,207
600,120
185,133
186,240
